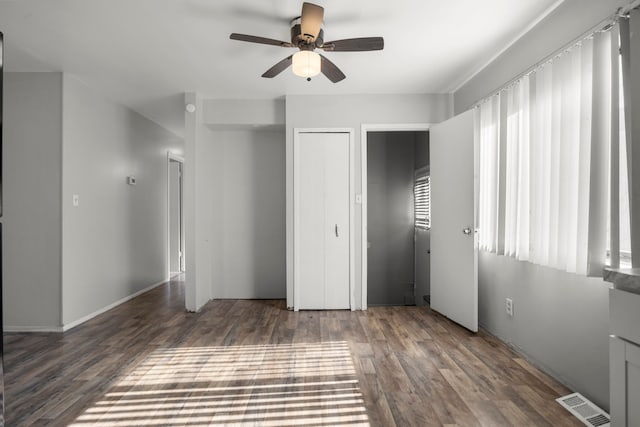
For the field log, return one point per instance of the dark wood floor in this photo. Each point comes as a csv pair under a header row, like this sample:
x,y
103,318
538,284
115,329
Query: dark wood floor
x,y
239,362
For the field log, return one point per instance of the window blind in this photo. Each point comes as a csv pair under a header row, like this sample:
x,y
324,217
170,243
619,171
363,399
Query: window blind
x,y
422,202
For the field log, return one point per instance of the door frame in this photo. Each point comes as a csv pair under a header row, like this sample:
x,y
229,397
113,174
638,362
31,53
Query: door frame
x,y
172,157
352,197
364,130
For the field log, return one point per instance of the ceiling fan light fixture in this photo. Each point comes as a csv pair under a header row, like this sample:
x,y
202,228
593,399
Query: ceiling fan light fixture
x,y
306,63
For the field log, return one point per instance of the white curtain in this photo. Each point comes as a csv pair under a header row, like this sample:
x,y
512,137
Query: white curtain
x,y
518,184
488,187
543,162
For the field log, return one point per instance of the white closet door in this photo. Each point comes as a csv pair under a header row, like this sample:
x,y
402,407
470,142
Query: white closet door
x,y
321,182
336,208
310,229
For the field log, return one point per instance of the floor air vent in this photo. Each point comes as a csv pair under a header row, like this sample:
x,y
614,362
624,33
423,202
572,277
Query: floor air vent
x,y
584,410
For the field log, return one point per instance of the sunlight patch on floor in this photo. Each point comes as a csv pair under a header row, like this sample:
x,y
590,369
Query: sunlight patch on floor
x,y
258,385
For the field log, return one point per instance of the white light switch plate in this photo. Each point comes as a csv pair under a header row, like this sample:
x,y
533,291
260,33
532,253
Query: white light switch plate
x,y
76,200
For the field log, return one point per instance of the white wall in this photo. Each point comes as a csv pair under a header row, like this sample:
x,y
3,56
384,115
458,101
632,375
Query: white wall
x,y
560,319
250,206
32,159
115,242
351,111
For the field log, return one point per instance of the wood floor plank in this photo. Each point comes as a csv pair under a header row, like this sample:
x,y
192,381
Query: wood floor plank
x,y
253,362
516,416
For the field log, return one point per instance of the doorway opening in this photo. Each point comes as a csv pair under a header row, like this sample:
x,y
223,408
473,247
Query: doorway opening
x,y
175,223
396,262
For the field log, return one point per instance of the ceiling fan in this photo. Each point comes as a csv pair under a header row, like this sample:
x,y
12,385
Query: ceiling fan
x,y
307,34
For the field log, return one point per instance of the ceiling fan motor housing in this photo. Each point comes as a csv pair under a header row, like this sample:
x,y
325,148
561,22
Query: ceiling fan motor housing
x,y
304,41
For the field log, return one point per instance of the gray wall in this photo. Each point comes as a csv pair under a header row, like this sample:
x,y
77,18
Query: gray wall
x,y
224,140
32,169
390,177
560,319
243,114
202,177
115,242
352,111
64,263
248,225
571,19
422,150
423,237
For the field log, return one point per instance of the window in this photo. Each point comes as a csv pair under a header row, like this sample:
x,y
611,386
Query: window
x,y
543,162
623,221
422,201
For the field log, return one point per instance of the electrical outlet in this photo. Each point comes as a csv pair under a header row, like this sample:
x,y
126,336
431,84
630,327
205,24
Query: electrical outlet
x,y
508,305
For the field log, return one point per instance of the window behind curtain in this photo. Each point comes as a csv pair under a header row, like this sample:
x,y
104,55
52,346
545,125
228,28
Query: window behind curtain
x,y
544,145
623,185
422,200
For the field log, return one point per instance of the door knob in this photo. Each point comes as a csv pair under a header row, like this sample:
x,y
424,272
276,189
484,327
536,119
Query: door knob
x,y
467,230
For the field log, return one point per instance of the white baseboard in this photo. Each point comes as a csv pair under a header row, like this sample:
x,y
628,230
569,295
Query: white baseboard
x,y
77,322
48,329
58,329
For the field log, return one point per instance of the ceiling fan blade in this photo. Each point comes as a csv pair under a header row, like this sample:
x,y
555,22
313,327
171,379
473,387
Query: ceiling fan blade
x,y
311,19
330,70
261,40
278,68
355,45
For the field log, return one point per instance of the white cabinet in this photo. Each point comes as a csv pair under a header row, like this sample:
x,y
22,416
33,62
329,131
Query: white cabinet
x,y
624,358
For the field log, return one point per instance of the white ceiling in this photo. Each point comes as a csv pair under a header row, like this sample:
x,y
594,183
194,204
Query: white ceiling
x,y
146,53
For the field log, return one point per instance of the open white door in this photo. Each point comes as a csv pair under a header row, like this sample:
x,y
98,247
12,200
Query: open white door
x,y
454,255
